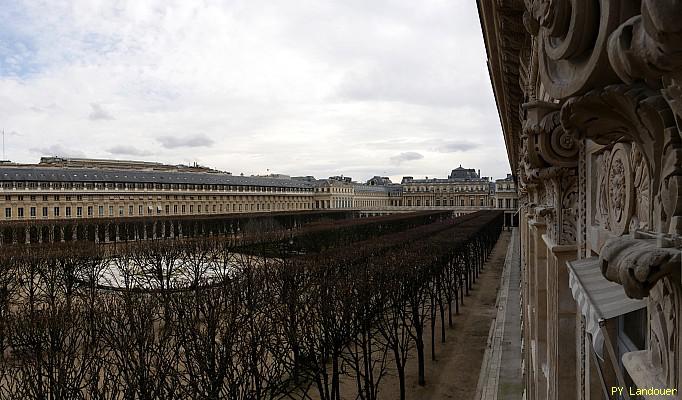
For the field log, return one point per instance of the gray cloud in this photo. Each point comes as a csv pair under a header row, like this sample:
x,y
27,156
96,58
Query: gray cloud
x,y
98,112
435,145
454,146
406,156
128,150
173,142
57,150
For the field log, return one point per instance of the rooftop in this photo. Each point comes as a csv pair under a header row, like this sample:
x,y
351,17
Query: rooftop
x,y
37,173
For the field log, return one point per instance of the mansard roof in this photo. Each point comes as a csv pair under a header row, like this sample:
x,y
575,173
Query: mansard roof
x,y
463,174
54,174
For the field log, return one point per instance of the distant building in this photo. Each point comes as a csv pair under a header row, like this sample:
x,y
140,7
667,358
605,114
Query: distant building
x,y
333,193
64,188
506,195
83,188
462,188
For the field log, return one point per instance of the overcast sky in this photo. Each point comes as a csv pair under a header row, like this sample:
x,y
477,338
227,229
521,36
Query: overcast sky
x,y
300,87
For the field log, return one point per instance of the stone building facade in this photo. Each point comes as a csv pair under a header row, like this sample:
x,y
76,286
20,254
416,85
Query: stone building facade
x,y
62,188
378,193
590,101
464,187
57,192
333,193
506,195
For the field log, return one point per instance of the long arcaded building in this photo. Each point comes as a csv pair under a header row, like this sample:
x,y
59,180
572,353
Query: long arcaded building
x,y
64,188
89,190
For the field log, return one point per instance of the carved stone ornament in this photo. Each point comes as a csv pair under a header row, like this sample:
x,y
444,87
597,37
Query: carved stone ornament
x,y
649,47
641,219
571,39
663,336
549,145
619,193
637,264
638,115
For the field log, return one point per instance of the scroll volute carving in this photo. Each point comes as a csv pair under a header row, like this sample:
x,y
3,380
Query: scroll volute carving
x,y
639,115
572,37
649,47
548,143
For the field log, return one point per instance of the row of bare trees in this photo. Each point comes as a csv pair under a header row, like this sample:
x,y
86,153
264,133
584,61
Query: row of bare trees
x,y
203,319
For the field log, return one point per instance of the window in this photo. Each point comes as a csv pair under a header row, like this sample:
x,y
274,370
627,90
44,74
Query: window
x,y
120,211
68,211
44,198
89,211
55,211
183,208
199,208
33,198
111,210
167,209
139,210
8,212
20,198
32,212
20,212
175,209
131,210
45,212
56,197
8,198
79,211
100,211
191,208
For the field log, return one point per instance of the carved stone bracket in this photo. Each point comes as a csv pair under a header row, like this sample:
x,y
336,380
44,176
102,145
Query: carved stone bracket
x,y
638,264
638,115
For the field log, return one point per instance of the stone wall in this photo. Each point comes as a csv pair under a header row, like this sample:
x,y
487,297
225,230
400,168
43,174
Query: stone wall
x,y
590,99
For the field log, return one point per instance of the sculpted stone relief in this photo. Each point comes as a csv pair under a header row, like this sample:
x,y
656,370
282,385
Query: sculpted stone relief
x,y
622,199
549,172
641,218
611,73
634,115
578,48
663,337
619,199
